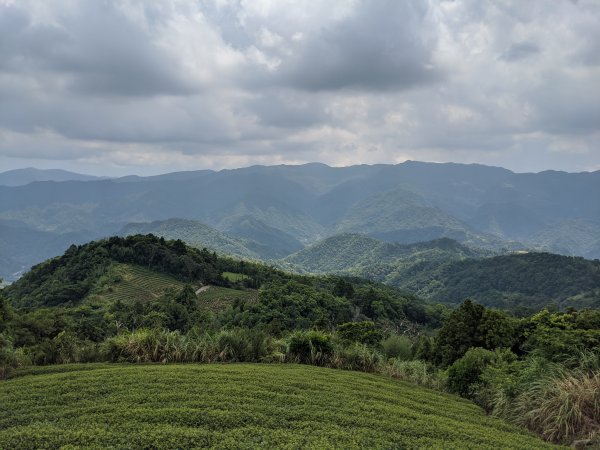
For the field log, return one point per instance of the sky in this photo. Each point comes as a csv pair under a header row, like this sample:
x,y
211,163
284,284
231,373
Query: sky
x,y
118,87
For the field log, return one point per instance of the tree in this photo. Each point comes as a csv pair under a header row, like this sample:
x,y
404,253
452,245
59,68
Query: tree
x,y
471,325
365,332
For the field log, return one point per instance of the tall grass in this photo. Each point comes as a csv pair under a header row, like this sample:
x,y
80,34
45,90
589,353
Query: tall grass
x,y
559,402
563,408
415,371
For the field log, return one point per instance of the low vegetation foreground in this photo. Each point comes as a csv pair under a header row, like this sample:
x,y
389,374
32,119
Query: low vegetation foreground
x,y
238,406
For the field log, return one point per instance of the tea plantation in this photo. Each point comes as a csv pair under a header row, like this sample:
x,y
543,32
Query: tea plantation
x,y
237,406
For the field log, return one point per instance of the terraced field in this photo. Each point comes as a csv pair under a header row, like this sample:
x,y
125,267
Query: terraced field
x,y
126,282
238,406
218,298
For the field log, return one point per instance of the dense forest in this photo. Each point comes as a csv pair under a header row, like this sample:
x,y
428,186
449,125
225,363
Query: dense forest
x,y
446,271
70,309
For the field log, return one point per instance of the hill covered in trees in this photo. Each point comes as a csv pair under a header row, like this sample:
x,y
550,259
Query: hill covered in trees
x,y
86,271
448,272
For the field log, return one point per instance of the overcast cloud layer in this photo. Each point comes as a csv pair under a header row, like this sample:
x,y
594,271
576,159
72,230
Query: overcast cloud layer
x,y
115,87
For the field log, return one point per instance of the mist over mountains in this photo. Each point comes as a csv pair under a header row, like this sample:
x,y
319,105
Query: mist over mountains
x,y
270,212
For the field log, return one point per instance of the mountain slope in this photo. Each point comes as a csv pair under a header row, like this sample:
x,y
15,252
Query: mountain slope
x,y
520,281
365,256
448,272
196,234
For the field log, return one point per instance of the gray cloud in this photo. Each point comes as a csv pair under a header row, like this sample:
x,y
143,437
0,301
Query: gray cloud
x,y
378,47
134,86
520,50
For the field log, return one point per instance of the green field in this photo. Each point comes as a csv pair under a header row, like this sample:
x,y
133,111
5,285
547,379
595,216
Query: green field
x,y
237,406
233,276
216,299
126,282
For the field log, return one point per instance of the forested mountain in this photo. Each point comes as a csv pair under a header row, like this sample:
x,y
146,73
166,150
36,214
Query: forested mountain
x,y
362,255
525,282
448,272
286,208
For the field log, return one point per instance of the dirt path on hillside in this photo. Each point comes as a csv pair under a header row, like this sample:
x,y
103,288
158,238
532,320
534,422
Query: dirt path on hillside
x,y
203,289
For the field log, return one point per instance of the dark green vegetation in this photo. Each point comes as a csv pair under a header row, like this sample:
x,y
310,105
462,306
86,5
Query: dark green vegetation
x,y
278,210
449,272
239,406
145,299
525,282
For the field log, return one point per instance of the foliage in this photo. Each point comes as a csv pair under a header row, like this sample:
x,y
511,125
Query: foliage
x,y
556,335
365,332
310,347
472,325
397,346
558,402
465,374
415,371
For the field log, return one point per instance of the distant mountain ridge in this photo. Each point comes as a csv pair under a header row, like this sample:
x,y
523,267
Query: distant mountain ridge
x,y
285,208
21,177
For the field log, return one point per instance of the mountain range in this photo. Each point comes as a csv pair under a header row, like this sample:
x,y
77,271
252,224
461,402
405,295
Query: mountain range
x,y
271,212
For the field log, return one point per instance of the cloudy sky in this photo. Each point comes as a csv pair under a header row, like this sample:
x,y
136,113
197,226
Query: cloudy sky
x,y
114,87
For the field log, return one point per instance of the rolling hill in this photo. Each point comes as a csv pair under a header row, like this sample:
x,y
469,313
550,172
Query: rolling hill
x,y
238,405
449,272
362,255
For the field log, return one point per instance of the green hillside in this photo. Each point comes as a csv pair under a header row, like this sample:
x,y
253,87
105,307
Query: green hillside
x,y
238,406
361,255
448,272
530,280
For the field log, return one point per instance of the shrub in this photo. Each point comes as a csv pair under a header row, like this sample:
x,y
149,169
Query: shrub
x,y
396,346
464,375
310,347
243,345
563,407
147,345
